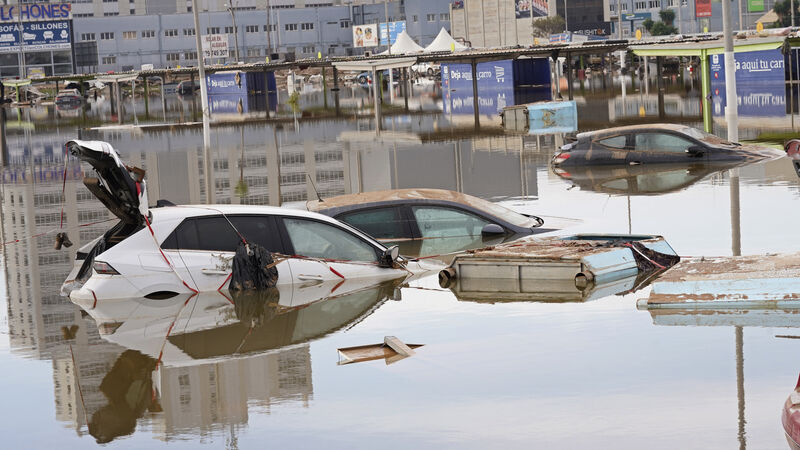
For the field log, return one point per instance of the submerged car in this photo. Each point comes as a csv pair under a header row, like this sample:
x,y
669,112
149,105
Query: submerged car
x,y
199,241
68,98
428,221
657,143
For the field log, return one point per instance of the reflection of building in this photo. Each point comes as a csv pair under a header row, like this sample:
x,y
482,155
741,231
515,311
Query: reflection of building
x,y
202,398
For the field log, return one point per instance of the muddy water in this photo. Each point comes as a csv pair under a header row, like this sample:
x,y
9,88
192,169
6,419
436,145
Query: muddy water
x,y
492,373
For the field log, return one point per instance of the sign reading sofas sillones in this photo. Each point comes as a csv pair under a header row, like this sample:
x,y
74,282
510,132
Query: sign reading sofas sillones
x,y
45,26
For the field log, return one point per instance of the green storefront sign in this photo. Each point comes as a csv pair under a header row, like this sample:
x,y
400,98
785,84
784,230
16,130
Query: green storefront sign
x,y
755,5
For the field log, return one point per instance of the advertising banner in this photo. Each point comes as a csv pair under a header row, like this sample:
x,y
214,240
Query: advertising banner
x,y
539,8
765,66
755,5
702,8
754,100
53,35
35,12
365,35
522,8
395,28
495,87
214,45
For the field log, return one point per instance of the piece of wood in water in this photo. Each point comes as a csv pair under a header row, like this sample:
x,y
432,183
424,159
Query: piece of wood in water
x,y
371,352
397,345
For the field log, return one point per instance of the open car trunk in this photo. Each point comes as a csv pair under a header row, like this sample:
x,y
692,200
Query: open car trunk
x,y
120,189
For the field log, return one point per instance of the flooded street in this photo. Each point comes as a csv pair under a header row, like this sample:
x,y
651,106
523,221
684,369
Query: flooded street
x,y
494,371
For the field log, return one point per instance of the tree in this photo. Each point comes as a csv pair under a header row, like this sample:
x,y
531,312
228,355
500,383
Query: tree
x,y
667,16
546,26
783,10
648,24
662,29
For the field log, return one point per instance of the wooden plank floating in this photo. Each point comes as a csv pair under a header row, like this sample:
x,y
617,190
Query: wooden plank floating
x,y
362,353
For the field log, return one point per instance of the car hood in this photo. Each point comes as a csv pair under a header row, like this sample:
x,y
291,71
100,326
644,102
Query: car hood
x,y
114,185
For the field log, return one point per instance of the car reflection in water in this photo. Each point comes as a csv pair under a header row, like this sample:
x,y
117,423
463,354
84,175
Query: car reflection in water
x,y
199,334
639,179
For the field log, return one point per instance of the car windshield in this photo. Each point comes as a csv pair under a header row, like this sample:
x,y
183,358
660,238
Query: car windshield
x,y
501,212
696,134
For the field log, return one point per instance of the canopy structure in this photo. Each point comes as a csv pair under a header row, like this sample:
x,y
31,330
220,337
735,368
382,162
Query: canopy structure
x,y
444,43
404,45
769,17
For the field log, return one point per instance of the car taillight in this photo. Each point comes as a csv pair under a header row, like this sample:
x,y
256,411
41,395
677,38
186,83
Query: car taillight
x,y
560,158
104,268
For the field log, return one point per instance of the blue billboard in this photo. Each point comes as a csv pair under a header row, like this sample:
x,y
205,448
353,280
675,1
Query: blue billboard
x,y
500,84
755,100
50,35
761,66
395,28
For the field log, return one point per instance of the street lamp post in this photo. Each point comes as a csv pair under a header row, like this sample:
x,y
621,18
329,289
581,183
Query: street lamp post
x,y
235,30
566,21
269,30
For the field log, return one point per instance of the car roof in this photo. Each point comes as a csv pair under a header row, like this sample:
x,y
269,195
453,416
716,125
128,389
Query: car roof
x,y
184,211
394,195
632,128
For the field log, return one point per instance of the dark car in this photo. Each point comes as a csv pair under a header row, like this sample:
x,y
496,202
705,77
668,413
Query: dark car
x,y
657,143
187,88
428,221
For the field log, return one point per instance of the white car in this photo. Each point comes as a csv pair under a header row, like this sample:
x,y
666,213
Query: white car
x,y
165,251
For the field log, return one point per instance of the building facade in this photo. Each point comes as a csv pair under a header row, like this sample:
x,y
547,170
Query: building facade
x,y
168,40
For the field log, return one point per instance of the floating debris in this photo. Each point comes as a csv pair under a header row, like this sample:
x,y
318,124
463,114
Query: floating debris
x,y
582,259
392,350
759,282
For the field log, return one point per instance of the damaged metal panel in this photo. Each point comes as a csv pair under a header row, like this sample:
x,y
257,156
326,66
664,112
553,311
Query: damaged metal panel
x,y
598,258
769,281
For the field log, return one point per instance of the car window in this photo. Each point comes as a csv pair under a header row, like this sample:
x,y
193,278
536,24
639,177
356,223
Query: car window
x,y
435,221
321,240
614,142
214,233
383,223
661,142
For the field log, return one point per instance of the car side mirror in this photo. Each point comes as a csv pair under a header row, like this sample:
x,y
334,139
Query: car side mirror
x,y
390,256
492,228
695,151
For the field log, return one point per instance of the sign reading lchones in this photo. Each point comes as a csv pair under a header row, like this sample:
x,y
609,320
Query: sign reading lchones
x,y
37,26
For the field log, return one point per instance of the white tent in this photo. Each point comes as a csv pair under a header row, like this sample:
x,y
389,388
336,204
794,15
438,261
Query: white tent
x,y
404,45
444,43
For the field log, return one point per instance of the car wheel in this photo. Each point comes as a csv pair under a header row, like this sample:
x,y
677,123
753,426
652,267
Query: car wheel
x,y
362,79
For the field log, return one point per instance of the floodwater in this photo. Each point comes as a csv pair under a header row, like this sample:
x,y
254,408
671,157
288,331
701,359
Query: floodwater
x,y
491,374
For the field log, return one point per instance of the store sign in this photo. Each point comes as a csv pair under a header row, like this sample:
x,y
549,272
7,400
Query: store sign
x,y
395,28
637,16
764,66
365,35
214,45
755,5
35,12
703,8
54,35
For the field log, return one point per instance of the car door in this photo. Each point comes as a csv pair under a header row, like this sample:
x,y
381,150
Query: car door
x,y
327,252
206,246
609,150
655,147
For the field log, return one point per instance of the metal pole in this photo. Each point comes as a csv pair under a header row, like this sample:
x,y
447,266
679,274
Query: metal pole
x,y
377,102
731,113
21,44
566,21
619,18
386,19
475,102
203,101
269,31
792,3
235,31
740,386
